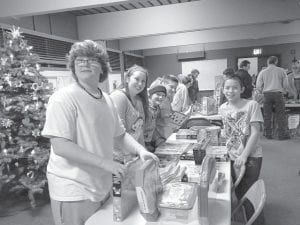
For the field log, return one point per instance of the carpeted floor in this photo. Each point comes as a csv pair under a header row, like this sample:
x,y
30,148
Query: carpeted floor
x,y
280,173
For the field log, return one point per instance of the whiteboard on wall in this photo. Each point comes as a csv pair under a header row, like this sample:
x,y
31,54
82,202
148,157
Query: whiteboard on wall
x,y
208,70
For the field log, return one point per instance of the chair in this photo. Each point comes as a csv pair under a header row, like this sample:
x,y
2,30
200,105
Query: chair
x,y
257,197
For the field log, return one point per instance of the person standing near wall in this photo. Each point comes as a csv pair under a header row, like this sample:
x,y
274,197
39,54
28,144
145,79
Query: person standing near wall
x,y
194,89
246,79
272,82
83,125
181,101
293,81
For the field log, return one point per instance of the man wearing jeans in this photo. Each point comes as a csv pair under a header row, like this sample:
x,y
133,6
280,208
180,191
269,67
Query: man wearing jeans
x,y
272,82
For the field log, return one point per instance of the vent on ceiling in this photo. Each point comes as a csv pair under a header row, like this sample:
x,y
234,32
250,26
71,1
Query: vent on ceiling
x,y
49,49
51,52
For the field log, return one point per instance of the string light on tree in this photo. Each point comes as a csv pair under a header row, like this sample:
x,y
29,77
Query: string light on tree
x,y
24,93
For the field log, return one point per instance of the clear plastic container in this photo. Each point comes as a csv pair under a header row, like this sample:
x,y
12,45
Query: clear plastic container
x,y
177,201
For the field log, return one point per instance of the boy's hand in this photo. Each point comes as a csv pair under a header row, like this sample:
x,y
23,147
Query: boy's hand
x,y
114,167
239,161
144,155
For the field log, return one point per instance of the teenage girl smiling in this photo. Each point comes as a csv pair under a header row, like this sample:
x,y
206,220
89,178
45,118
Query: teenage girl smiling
x,y
132,102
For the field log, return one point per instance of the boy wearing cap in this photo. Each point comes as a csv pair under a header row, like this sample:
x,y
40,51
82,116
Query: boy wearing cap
x,y
157,95
163,129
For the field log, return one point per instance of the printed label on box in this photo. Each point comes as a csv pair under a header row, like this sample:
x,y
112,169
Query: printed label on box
x,y
293,121
142,199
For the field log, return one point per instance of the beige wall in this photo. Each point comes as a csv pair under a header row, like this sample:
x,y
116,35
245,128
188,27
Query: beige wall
x,y
159,65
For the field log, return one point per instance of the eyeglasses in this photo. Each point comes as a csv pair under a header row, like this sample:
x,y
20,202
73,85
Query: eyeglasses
x,y
90,61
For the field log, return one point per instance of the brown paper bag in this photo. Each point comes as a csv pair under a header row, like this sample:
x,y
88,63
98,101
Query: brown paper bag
x,y
148,186
124,193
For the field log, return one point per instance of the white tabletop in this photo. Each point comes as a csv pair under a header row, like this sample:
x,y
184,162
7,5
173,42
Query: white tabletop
x,y
292,105
219,209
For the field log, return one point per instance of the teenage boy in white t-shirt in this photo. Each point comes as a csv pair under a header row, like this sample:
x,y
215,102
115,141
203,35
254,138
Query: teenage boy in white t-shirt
x,y
83,126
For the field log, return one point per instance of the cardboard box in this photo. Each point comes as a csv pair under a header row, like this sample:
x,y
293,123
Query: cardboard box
x,y
186,134
171,148
209,106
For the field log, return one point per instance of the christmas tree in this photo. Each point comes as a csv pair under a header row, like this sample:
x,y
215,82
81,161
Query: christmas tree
x,y
24,94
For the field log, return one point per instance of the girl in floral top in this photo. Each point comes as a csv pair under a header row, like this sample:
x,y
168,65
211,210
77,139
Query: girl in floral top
x,y
242,121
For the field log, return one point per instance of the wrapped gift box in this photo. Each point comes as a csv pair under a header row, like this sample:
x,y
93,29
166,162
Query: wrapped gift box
x,y
209,106
186,134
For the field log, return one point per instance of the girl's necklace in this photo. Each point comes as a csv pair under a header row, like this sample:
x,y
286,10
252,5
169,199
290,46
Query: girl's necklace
x,y
99,93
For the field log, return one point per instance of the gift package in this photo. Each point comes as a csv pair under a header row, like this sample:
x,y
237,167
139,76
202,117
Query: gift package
x,y
186,134
148,187
218,183
169,170
207,174
219,81
171,149
177,119
192,171
124,193
220,153
213,132
209,106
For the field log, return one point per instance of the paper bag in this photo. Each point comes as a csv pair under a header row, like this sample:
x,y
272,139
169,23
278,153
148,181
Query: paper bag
x,y
148,186
124,193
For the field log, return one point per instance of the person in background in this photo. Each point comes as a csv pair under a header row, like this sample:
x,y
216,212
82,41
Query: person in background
x,y
272,82
181,99
83,125
243,122
194,89
163,129
246,79
157,95
132,102
293,81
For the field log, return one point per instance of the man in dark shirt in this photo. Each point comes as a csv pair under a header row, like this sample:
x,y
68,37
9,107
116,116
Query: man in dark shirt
x,y
194,89
246,79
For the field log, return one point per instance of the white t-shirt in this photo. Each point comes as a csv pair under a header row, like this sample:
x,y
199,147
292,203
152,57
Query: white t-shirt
x,y
237,125
180,101
90,123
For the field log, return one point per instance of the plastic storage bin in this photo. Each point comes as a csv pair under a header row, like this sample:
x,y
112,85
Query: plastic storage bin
x,y
177,201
